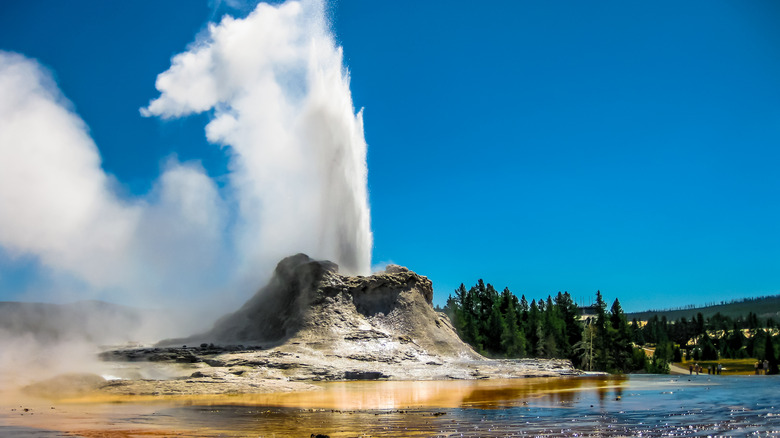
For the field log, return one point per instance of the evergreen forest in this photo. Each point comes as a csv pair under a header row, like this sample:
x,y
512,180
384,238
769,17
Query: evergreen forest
x,y
713,338
498,324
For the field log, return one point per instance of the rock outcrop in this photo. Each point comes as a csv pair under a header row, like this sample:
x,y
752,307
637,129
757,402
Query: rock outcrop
x,y
307,302
311,323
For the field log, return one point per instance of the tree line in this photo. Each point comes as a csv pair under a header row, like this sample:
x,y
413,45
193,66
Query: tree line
x,y
501,325
747,300
713,338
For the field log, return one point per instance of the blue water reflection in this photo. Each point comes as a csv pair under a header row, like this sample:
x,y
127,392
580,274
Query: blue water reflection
x,y
652,405
615,406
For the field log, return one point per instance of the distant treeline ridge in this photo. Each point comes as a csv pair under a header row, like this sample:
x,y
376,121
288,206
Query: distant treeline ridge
x,y
709,304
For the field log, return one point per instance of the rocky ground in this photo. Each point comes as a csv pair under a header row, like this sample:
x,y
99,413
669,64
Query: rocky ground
x,y
295,366
312,324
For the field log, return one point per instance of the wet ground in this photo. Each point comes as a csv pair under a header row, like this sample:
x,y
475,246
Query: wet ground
x,y
581,406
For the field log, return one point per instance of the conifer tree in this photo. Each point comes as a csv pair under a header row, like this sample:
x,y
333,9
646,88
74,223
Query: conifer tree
x,y
523,322
512,340
495,330
471,331
533,327
572,326
600,352
621,350
540,343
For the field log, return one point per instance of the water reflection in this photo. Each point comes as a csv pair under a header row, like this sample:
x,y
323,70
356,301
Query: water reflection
x,y
388,395
613,406
539,392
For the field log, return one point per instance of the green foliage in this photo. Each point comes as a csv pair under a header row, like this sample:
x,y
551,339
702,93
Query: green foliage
x,y
513,340
494,330
583,349
708,350
619,340
665,351
639,359
500,325
657,366
713,338
677,355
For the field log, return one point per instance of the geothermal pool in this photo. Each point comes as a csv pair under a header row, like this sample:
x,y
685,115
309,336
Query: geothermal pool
x,y
578,406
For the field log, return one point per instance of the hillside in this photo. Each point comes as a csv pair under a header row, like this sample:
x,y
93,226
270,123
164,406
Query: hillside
x,y
764,307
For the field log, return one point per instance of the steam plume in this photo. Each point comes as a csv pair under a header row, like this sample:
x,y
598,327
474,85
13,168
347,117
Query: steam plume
x,y
57,204
281,101
279,95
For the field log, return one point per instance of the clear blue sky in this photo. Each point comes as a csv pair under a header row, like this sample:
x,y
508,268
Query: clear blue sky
x,y
630,147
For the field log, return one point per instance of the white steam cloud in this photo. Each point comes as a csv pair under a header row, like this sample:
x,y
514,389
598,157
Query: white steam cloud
x,y
279,95
276,83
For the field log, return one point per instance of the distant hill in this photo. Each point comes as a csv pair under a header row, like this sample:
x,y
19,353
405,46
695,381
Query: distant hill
x,y
93,321
764,307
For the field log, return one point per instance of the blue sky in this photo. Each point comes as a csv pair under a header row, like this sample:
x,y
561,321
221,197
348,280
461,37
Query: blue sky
x,y
545,146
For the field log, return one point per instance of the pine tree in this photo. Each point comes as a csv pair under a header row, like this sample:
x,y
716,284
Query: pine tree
x,y
471,326
483,302
459,308
601,310
541,337
621,350
637,334
495,331
523,320
600,344
572,326
700,330
555,331
707,348
512,340
533,327
505,299
452,309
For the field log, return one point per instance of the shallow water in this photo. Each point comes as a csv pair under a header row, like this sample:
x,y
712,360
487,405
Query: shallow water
x,y
583,406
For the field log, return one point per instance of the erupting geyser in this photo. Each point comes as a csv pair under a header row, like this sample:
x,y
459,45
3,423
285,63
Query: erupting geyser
x,y
280,94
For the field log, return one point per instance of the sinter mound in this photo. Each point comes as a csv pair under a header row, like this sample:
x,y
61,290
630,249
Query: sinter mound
x,y
307,302
311,323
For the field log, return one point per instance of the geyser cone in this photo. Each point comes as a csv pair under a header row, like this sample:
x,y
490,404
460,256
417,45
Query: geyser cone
x,y
277,311
307,302
310,323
